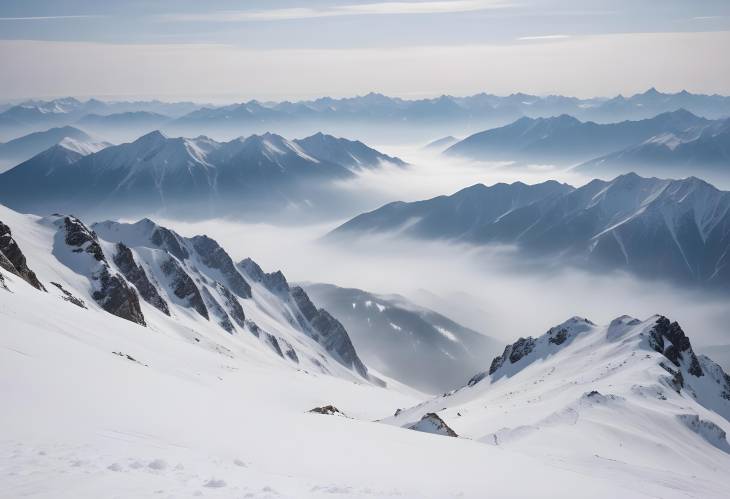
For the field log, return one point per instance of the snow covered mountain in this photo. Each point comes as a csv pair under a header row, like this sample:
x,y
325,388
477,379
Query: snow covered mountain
x,y
674,229
18,150
195,177
404,341
182,406
565,139
441,144
631,397
151,276
702,151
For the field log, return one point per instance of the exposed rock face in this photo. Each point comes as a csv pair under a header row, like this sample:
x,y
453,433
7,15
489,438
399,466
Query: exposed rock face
x,y
432,423
184,287
168,240
215,309
77,234
69,297
668,339
234,309
135,274
215,257
112,292
514,353
274,281
329,332
116,297
328,410
13,260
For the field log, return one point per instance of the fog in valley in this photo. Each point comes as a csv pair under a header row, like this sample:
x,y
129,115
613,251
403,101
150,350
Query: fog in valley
x,y
490,289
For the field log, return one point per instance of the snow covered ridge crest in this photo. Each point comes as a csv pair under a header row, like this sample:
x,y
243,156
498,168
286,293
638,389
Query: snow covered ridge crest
x,y
586,392
152,276
657,333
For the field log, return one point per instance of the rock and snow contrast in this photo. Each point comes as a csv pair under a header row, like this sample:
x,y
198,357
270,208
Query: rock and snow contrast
x,y
628,399
138,361
663,229
183,176
404,341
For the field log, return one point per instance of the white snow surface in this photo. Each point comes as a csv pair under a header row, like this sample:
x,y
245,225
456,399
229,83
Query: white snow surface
x,y
225,417
600,403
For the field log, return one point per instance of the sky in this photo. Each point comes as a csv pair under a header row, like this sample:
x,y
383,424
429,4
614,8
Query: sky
x,y
224,50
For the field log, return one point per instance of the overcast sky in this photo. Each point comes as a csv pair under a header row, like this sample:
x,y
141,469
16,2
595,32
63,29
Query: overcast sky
x,y
224,50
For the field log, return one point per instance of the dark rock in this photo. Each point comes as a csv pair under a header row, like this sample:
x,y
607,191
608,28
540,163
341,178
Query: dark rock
x,y
135,274
254,328
558,337
234,308
305,305
215,257
274,282
168,240
274,343
679,347
184,287
70,297
118,298
328,410
432,423
335,339
13,260
79,236
513,352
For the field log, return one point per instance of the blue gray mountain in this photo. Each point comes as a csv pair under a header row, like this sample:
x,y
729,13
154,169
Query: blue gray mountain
x,y
567,140
664,229
402,340
195,177
369,116
697,151
23,148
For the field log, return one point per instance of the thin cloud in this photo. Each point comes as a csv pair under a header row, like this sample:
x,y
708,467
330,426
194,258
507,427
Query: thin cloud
x,y
544,37
46,18
380,8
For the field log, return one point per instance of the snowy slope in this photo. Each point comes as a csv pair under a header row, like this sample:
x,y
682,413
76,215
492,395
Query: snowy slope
x,y
631,397
100,406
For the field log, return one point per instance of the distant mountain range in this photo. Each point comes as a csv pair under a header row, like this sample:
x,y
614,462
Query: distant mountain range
x,y
673,229
23,148
369,116
698,151
404,341
566,140
195,177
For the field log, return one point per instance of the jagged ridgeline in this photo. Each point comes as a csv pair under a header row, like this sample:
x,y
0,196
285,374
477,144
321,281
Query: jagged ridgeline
x,y
196,177
150,275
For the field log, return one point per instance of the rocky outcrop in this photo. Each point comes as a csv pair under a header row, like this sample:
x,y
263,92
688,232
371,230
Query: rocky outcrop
x,y
668,339
111,291
328,410
134,273
69,297
216,310
168,240
184,287
117,297
232,306
215,257
513,353
13,260
274,281
329,332
432,423
83,239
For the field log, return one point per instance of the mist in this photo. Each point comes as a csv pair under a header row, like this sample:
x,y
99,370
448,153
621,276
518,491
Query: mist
x,y
495,290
